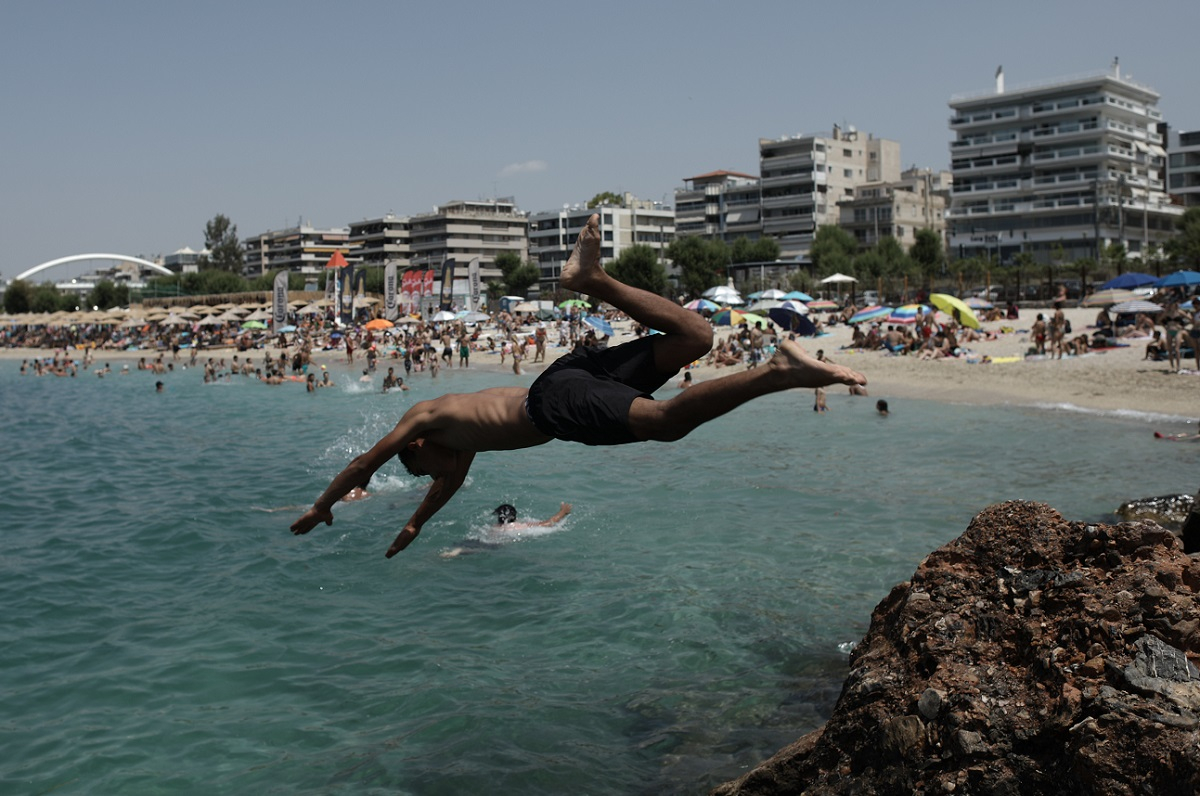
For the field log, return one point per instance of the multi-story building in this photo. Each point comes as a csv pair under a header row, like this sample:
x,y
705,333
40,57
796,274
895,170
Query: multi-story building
x,y
1183,168
719,204
804,177
552,233
465,231
301,248
1058,170
897,209
382,240
185,260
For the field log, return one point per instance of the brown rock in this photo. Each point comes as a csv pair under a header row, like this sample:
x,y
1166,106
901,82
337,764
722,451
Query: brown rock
x,y
1030,655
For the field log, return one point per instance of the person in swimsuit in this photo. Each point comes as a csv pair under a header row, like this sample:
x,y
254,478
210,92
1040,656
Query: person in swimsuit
x,y
596,396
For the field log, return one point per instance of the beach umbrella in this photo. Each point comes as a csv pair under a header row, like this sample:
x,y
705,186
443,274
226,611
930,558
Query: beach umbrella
x,y
574,303
1129,281
797,295
870,314
311,309
466,316
1179,279
822,305
723,295
285,329
751,318
769,294
1135,306
211,320
443,315
1103,298
525,306
701,305
378,324
791,321
977,303
798,307
254,325
948,304
836,278
599,324
763,305
908,313
727,317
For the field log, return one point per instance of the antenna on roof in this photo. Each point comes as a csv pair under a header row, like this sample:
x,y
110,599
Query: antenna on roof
x,y
1000,79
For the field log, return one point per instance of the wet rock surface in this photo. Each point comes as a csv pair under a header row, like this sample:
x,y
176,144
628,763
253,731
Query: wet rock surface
x,y
1030,655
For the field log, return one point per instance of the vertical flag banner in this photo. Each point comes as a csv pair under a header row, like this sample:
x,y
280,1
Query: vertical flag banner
x,y
427,289
408,289
475,286
279,304
447,296
389,292
347,295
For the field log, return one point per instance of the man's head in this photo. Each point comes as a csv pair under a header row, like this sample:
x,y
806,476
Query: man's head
x,y
505,513
422,457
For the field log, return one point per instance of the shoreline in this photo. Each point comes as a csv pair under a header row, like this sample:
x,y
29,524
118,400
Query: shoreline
x,y
1115,380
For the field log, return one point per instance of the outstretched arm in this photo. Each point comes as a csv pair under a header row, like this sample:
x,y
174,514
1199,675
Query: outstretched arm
x,y
415,422
562,513
440,491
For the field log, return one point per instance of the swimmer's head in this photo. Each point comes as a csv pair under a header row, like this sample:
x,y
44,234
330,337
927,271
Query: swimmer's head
x,y
505,513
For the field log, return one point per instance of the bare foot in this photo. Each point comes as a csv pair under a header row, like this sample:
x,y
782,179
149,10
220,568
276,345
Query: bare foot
x,y
802,370
582,268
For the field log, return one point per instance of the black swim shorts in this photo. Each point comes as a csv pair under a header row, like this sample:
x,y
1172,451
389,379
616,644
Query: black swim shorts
x,y
585,395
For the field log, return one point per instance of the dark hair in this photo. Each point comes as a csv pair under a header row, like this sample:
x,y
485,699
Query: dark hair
x,y
505,513
407,457
881,405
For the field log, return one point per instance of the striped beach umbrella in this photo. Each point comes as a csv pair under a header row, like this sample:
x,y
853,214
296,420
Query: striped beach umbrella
x,y
822,305
1103,298
1135,306
909,313
702,305
870,314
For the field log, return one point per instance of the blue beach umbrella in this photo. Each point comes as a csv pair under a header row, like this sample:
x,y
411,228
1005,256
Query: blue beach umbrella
x,y
1128,281
599,324
1179,279
798,295
702,305
791,321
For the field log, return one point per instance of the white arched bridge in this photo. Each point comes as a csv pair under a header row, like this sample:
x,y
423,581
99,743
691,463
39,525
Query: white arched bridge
x,y
76,258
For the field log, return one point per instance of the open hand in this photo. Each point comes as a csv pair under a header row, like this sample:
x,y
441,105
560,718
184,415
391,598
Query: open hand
x,y
310,519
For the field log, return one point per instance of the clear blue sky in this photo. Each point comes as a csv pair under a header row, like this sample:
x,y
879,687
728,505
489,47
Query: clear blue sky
x,y
128,125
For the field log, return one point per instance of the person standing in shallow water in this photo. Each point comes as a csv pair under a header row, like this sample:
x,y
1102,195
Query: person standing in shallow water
x,y
596,396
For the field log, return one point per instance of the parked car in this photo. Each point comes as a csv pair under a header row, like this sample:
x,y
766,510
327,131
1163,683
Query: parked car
x,y
870,298
989,292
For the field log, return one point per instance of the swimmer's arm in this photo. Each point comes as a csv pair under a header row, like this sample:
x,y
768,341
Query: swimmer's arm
x,y
562,513
440,491
358,473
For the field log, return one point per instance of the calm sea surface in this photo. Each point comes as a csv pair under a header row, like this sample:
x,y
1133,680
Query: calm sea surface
x,y
163,632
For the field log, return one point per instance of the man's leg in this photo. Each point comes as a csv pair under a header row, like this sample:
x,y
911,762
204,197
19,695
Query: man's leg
x,y
685,335
791,367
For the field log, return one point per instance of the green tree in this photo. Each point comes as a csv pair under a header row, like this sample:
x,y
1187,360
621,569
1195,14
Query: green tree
x,y
763,250
833,250
221,240
606,198
928,257
701,263
1021,264
638,266
1184,248
18,297
107,295
1116,258
518,275
47,298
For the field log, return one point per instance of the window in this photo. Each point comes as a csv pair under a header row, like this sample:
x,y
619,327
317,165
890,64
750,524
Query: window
x,y
848,173
847,153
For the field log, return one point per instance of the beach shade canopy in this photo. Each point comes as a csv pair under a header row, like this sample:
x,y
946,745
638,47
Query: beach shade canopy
x,y
1135,306
833,278
468,316
447,315
378,324
1179,279
1105,298
574,303
948,304
908,313
599,324
872,313
792,321
797,295
821,305
702,305
1129,281
254,325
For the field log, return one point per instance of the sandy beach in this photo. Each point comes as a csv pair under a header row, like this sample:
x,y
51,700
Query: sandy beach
x,y
1117,379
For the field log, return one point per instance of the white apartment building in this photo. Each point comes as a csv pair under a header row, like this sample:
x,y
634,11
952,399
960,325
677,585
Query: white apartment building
x,y
552,233
1059,170
382,240
804,177
1183,169
301,248
465,231
897,209
720,204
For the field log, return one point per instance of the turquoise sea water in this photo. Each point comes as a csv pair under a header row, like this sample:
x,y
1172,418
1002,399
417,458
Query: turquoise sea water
x,y
164,633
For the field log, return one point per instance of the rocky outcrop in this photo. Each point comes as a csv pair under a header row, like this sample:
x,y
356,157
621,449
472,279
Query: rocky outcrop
x,y
1031,655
